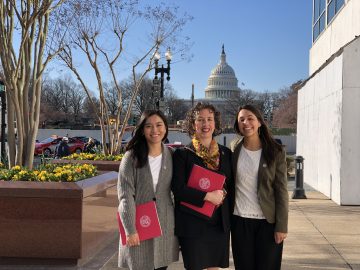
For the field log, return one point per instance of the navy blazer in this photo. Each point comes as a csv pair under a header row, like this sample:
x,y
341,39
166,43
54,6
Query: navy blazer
x,y
187,224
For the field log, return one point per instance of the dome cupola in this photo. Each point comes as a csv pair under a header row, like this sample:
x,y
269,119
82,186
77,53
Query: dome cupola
x,y
222,83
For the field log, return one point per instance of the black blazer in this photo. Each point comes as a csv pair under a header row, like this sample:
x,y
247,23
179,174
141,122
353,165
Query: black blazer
x,y
187,224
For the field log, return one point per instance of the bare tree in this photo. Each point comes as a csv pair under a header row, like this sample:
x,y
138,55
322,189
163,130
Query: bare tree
x,y
97,31
246,96
175,108
63,95
285,115
77,97
266,102
112,98
88,107
143,99
29,23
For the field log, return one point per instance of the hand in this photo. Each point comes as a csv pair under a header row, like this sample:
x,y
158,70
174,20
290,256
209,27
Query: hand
x,y
279,237
224,195
216,197
133,240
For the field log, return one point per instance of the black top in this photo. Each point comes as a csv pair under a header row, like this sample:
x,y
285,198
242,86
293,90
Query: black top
x,y
62,150
188,224
89,147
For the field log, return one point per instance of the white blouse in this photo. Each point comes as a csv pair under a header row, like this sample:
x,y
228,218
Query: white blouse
x,y
246,183
155,166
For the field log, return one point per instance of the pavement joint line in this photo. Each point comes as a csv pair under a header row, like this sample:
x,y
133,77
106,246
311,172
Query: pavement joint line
x,y
334,248
107,261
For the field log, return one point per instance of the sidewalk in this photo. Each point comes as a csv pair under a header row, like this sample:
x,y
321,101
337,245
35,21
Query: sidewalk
x,y
322,235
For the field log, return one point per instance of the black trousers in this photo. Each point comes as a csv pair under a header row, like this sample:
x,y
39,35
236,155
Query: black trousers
x,y
253,244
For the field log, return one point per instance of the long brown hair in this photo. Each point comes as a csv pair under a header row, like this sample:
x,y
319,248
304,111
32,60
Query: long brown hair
x,y
138,142
269,146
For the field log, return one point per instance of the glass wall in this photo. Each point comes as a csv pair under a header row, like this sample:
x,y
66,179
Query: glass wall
x,y
318,17
333,7
323,13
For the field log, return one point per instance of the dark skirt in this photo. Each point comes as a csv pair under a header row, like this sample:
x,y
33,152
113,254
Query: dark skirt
x,y
210,249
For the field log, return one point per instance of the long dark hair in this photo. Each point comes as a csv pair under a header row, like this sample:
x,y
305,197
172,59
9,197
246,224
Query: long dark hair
x,y
138,142
191,117
269,146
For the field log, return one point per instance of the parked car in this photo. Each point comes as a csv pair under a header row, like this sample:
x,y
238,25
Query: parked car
x,y
174,145
85,139
124,142
47,147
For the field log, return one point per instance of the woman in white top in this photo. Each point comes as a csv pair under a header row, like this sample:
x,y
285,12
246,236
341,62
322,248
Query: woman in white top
x,y
260,216
145,175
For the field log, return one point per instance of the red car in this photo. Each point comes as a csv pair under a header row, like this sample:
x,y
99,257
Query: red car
x,y
175,145
47,147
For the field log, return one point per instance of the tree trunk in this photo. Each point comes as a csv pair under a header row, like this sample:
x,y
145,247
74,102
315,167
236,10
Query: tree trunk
x,y
11,137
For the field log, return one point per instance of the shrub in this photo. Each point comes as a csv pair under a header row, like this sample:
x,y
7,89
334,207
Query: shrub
x,y
88,156
50,173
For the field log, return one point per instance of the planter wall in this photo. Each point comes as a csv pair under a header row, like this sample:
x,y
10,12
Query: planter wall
x,y
101,165
61,221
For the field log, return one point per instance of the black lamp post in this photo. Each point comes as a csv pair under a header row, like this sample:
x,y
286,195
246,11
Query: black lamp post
x,y
3,123
162,70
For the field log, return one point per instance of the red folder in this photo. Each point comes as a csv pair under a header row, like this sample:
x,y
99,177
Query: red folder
x,y
147,222
205,180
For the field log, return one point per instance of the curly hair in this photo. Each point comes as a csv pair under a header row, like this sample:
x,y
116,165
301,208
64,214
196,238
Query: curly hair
x,y
191,117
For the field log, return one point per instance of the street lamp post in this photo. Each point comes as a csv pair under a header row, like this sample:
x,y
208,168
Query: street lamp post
x,y
162,70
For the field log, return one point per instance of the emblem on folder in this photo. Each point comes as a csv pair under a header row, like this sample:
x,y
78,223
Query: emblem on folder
x,y
145,221
204,183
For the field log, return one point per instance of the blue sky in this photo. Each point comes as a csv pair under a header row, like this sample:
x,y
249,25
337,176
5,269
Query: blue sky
x,y
266,42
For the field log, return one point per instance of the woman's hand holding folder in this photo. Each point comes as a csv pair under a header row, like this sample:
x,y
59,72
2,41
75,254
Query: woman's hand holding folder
x,y
216,197
133,240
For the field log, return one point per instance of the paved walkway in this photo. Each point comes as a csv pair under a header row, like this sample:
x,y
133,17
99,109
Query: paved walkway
x,y
322,235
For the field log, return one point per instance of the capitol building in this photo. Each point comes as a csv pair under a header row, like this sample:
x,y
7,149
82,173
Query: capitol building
x,y
221,89
222,83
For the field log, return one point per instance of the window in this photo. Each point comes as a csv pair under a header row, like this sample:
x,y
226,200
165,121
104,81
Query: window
x,y
324,9
333,7
318,17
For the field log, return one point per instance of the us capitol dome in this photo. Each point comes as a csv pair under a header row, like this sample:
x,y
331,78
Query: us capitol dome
x,y
222,91
222,83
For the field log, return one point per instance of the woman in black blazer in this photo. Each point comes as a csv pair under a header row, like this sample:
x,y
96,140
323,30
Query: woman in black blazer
x,y
204,241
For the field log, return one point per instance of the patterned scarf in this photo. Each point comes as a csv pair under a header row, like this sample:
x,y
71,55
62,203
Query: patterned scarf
x,y
211,156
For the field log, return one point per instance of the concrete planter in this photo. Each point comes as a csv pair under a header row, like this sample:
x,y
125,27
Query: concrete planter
x,y
58,221
101,165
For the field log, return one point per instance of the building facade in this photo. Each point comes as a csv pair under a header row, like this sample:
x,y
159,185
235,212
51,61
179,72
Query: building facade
x,y
328,131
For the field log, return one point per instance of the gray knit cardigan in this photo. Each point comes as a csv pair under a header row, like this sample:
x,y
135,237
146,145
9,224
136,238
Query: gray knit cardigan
x,y
135,186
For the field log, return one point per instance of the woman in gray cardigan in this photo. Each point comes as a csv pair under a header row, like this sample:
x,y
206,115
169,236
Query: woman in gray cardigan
x,y
145,175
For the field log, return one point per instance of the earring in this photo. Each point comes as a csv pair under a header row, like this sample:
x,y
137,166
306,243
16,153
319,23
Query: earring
x,y
259,131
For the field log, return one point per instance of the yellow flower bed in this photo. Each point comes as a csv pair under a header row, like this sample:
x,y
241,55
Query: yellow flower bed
x,y
49,173
88,156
